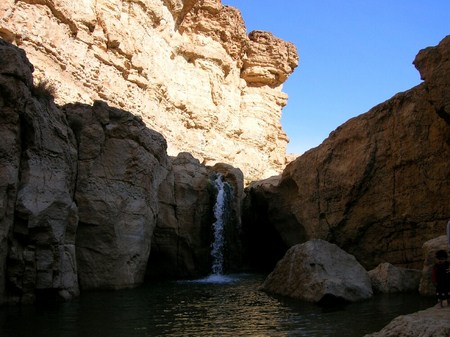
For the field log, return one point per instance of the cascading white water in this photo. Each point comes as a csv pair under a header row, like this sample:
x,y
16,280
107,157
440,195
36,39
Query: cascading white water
x,y
218,226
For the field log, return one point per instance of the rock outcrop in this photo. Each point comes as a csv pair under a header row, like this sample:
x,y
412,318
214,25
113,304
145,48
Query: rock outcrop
x,y
377,186
387,278
181,245
186,67
318,271
431,322
38,218
121,164
82,189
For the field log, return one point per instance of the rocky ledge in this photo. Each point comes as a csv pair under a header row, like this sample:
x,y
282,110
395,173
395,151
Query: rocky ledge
x,y
434,322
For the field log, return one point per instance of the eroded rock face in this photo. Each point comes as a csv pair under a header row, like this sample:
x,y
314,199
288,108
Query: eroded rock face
x,y
318,271
82,188
38,218
387,278
187,68
120,166
378,185
181,245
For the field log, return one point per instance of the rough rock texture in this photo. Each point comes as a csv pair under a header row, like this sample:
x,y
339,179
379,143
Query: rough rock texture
x,y
38,217
121,164
187,67
430,248
387,278
181,245
378,186
433,322
81,193
319,271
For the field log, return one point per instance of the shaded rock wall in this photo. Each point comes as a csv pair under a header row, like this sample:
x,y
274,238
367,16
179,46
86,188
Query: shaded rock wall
x,y
82,188
377,186
38,220
187,67
181,246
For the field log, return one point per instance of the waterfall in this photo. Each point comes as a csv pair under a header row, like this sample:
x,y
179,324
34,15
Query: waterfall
x,y
218,226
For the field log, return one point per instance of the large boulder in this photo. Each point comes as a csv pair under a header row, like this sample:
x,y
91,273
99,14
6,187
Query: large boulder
x,y
121,164
387,278
318,271
426,323
377,186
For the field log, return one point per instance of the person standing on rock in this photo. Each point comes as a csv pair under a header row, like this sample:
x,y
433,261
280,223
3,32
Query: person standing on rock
x,y
441,277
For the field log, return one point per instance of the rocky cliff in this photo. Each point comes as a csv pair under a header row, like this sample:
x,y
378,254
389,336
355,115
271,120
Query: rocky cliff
x,y
86,190
378,186
186,67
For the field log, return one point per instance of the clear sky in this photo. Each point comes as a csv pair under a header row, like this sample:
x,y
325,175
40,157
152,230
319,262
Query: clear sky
x,y
354,54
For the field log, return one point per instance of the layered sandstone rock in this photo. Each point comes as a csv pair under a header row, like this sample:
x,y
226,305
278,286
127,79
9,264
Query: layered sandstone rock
x,y
318,271
186,67
377,186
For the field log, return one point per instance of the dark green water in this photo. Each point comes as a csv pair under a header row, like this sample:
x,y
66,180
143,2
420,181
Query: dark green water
x,y
195,308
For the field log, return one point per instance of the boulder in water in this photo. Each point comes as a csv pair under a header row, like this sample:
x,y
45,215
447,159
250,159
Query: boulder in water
x,y
387,278
318,271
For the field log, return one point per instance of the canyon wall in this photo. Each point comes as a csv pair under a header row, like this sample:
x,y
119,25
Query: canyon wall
x,y
378,186
186,67
87,190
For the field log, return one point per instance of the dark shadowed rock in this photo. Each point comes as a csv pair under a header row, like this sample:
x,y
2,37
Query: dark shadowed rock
x,y
378,186
430,248
38,216
387,278
318,271
121,164
181,246
426,323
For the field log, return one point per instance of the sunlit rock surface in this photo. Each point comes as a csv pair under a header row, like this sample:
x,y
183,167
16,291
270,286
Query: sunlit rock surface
x,y
187,68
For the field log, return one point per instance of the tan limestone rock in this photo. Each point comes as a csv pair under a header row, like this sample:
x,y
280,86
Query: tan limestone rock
x,y
177,64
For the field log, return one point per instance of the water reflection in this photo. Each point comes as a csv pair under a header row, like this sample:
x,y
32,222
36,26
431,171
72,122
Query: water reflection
x,y
201,308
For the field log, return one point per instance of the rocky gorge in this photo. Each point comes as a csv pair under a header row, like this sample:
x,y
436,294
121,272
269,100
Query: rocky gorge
x,y
117,117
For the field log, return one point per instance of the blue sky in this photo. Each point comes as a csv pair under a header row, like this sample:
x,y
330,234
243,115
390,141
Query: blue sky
x,y
354,54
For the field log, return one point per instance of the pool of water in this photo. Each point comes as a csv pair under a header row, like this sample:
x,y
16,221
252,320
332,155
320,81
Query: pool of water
x,y
215,306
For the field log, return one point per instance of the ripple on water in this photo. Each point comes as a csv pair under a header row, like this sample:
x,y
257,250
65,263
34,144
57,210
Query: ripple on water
x,y
228,305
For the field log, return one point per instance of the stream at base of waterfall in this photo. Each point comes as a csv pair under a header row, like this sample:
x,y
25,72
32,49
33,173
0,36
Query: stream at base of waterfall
x,y
230,305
